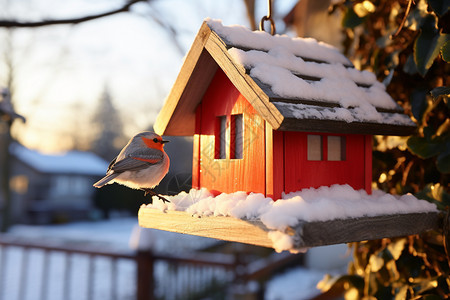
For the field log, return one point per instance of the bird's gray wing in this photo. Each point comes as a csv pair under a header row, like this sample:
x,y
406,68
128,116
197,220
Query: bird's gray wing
x,y
111,164
138,160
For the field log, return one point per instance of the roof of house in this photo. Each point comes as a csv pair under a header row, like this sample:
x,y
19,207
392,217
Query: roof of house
x,y
295,84
71,162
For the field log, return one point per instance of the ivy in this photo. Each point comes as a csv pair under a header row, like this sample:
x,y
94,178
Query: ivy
x,y
409,50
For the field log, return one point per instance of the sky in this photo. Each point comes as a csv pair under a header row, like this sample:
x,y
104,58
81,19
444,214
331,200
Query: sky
x,y
61,71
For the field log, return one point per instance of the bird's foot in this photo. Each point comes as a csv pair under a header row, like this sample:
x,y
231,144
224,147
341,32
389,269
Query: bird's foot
x,y
153,193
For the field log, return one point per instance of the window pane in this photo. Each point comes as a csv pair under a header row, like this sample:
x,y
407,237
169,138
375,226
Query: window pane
x,y
314,147
220,138
223,140
237,137
336,148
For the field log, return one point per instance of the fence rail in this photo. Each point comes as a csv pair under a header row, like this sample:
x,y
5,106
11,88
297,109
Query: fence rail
x,y
40,270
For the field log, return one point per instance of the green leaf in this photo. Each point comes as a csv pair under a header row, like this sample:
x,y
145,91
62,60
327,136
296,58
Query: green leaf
x,y
440,7
410,66
440,91
428,44
445,51
423,147
419,103
351,19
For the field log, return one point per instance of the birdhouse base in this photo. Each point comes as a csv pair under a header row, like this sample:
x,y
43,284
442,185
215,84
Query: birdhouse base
x,y
304,234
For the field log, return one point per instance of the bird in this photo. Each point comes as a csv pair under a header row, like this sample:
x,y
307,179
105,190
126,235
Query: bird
x,y
141,164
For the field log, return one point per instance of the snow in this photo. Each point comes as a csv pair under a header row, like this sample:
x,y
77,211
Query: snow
x,y
280,61
301,111
72,162
300,282
306,47
322,204
118,234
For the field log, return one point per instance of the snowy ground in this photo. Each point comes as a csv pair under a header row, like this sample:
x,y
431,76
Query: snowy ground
x,y
119,234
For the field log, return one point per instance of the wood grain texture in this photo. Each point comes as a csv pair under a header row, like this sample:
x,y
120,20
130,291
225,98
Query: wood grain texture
x,y
332,126
222,228
242,81
314,234
305,234
222,99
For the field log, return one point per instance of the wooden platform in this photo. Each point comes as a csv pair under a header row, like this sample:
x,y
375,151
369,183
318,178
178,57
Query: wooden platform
x,y
305,234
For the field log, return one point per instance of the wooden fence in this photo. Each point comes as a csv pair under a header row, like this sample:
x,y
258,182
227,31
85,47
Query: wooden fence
x,y
32,270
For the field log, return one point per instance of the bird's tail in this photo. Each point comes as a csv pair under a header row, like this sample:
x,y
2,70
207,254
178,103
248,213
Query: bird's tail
x,y
105,180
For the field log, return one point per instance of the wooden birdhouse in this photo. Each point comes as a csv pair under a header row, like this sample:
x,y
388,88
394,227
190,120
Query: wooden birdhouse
x,y
272,114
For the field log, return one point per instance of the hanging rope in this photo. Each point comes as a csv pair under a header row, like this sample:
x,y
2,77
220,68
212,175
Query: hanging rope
x,y
268,18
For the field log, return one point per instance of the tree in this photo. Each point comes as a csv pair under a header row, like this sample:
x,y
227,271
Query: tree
x,y
9,23
7,117
107,128
407,44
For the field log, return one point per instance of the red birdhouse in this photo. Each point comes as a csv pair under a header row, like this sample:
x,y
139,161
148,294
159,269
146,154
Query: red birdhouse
x,y
272,114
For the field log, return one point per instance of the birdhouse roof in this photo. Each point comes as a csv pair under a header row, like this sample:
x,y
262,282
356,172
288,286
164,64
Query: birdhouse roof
x,y
295,84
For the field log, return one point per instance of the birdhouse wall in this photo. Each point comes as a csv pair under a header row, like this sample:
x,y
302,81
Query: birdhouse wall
x,y
229,142
318,159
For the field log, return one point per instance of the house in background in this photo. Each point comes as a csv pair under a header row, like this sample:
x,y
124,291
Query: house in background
x,y
273,114
51,188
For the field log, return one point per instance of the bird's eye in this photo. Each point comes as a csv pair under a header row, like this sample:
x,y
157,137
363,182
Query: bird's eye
x,y
155,140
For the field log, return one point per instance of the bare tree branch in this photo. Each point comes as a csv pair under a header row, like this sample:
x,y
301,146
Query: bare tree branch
x,y
13,23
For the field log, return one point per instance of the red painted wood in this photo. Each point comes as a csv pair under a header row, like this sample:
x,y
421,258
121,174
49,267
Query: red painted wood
x,y
196,150
368,164
274,163
230,175
301,173
269,161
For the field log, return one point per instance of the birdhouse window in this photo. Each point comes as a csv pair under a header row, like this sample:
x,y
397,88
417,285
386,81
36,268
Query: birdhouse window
x,y
221,140
314,147
336,148
237,137
229,137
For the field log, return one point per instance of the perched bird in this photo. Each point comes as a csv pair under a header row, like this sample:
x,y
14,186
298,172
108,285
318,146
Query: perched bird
x,y
141,164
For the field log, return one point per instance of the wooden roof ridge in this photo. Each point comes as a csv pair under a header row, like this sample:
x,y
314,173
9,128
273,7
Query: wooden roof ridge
x,y
207,53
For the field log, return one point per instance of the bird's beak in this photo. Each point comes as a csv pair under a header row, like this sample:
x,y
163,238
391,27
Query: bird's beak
x,y
163,142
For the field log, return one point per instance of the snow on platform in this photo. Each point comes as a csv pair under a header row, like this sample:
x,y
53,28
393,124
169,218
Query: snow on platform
x,y
308,218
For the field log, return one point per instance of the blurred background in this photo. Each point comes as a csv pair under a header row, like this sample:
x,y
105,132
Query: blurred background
x,y
74,91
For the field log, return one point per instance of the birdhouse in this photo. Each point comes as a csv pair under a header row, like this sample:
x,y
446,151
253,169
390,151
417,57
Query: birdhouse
x,y
272,114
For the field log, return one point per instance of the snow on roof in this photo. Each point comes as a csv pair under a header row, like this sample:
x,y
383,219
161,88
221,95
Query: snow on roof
x,y
299,69
322,204
72,162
